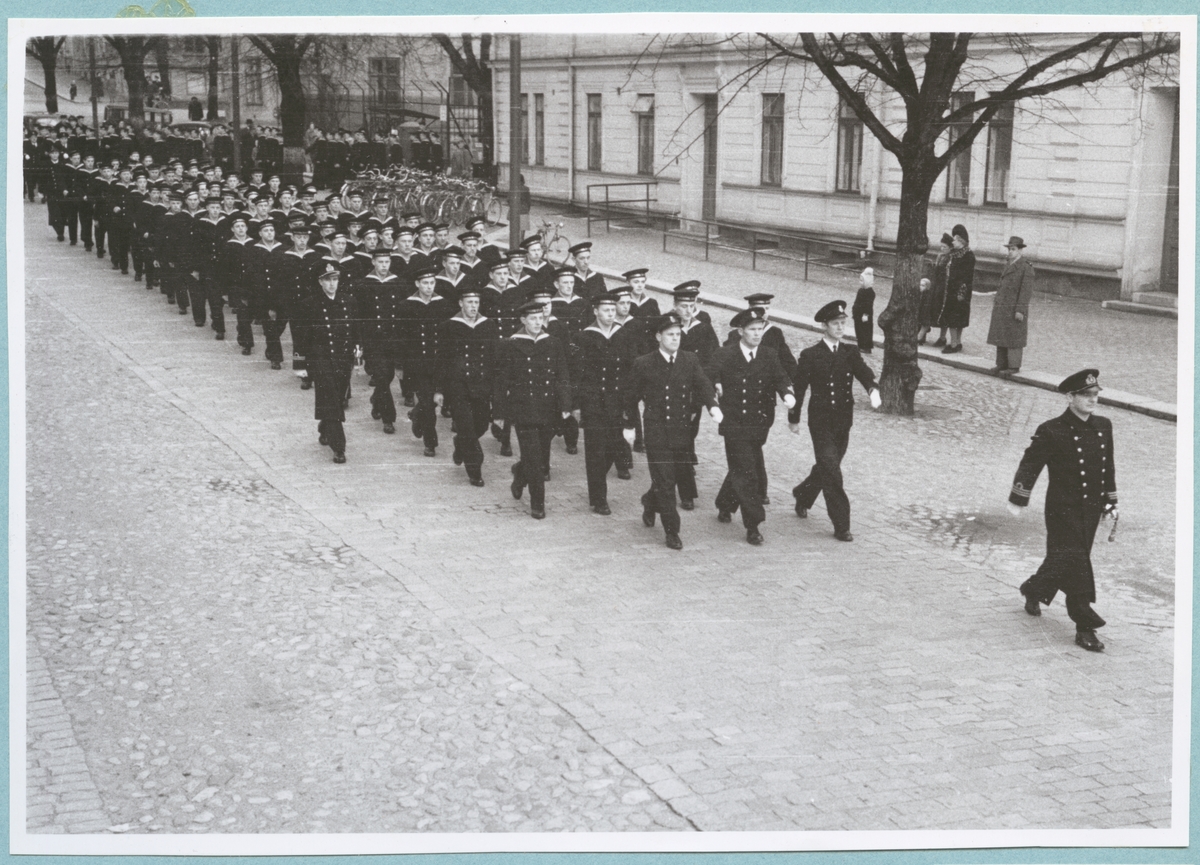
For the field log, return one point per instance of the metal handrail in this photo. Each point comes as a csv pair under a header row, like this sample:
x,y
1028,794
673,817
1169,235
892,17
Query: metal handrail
x,y
608,201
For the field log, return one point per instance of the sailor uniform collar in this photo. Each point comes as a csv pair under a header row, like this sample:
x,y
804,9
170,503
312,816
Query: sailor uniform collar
x,y
455,281
540,265
471,324
420,299
262,245
616,326
693,323
243,241
542,335
645,299
562,299
210,221
298,253
378,278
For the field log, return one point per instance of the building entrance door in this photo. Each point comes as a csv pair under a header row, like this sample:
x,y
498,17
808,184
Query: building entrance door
x,y
1169,277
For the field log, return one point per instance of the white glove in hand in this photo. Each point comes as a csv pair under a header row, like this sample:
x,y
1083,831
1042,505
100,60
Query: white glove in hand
x,y
629,435
719,390
1015,510
715,414
876,399
438,399
789,400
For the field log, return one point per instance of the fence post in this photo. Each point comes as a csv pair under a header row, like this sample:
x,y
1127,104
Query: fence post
x,y
806,244
706,241
607,211
754,250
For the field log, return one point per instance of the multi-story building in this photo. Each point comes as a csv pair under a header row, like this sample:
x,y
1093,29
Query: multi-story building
x,y
1089,178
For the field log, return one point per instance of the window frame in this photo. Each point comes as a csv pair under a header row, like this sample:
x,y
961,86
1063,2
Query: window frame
x,y
1001,120
595,132
645,137
960,166
849,123
539,128
771,146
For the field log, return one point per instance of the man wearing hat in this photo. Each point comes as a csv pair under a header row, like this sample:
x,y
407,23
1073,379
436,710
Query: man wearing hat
x,y
670,382
747,375
587,281
598,365
864,311
296,267
417,323
500,301
568,306
699,338
145,226
380,295
532,390
489,253
379,218
466,347
472,266
209,243
563,331
330,322
116,207
1077,448
829,367
172,250
262,278
234,260
1009,328
773,337
450,279
56,182
642,304
540,271
364,255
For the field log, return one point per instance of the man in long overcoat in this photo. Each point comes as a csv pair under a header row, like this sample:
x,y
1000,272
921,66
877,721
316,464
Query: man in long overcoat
x,y
1009,330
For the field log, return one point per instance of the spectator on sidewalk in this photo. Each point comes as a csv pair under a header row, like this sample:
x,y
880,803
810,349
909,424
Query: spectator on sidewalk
x,y
864,311
195,109
937,296
960,277
1009,330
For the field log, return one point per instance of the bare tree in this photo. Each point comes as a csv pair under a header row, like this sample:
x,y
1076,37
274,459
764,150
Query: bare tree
x,y
44,49
476,72
286,53
133,51
918,73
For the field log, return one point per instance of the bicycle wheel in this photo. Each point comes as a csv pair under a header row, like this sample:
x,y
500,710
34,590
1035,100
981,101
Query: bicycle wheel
x,y
556,250
495,209
473,207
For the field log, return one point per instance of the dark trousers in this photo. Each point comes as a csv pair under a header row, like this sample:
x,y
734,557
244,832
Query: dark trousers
x,y
668,458
245,321
84,213
530,470
383,370
420,377
331,380
118,244
864,331
273,329
100,231
603,447
183,286
1044,586
61,214
471,417
829,446
1009,358
209,290
741,487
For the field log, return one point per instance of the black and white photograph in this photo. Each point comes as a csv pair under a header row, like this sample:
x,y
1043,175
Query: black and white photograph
x,y
557,433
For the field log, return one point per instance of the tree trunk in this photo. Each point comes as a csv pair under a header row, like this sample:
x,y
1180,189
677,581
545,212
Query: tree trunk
x,y
163,61
214,47
486,131
901,372
292,111
134,67
50,72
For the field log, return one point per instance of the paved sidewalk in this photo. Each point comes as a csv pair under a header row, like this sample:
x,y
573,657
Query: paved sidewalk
x,y
248,638
1136,354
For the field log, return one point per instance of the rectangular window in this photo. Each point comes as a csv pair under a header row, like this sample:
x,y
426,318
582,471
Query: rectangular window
x,y
644,112
524,128
460,93
772,139
539,128
252,82
850,147
594,130
999,156
385,80
197,83
958,175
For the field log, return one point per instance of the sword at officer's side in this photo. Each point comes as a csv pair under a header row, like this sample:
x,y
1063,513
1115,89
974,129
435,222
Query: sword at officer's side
x,y
1116,518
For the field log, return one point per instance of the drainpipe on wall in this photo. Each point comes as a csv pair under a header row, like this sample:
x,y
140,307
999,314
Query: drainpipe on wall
x,y
571,138
873,212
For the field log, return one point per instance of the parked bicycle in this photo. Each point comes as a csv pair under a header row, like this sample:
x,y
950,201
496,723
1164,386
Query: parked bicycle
x,y
554,242
437,197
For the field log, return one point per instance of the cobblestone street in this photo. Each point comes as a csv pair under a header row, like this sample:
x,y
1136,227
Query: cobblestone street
x,y
227,633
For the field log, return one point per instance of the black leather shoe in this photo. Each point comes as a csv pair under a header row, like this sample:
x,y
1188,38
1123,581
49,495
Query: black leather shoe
x,y
505,450
409,402
322,439
417,432
639,447
516,487
624,474
497,432
546,476
647,517
183,311
537,513
754,537
939,342
766,500
339,457
1031,606
457,457
687,504
220,337
801,512
476,482
602,509
673,541
724,516
376,414
1087,640
843,536
306,384
137,277
246,349
572,449
199,324
276,365
389,428
430,452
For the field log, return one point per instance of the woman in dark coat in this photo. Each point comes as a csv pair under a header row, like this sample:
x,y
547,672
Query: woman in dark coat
x,y
960,276
933,296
